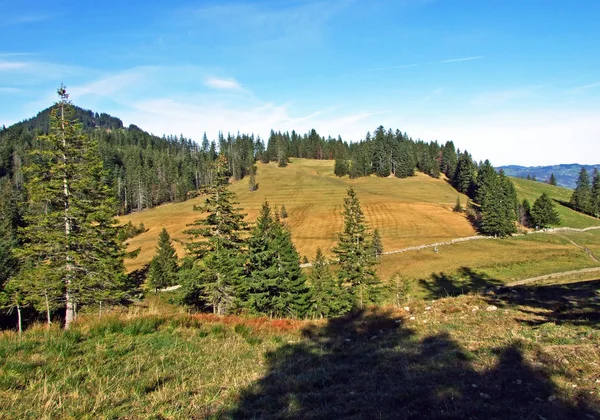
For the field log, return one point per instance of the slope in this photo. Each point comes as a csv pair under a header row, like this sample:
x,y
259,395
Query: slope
x,y
407,212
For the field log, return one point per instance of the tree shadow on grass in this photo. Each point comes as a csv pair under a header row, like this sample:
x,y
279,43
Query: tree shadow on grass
x,y
369,365
464,281
572,303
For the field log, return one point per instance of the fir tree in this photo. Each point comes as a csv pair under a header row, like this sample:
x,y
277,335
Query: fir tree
x,y
163,267
217,248
71,230
524,213
276,285
457,207
498,207
328,298
581,199
596,194
355,255
552,180
543,213
252,185
341,167
283,212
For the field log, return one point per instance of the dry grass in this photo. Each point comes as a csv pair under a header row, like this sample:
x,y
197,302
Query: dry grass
x,y
407,212
450,358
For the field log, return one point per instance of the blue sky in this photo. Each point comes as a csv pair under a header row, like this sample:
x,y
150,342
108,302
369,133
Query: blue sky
x,y
517,82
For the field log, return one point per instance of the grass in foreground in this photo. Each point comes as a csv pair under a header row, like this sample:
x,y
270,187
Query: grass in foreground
x,y
450,358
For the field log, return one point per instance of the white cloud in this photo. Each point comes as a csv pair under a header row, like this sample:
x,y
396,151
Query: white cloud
x,y
501,97
583,88
455,60
12,65
218,83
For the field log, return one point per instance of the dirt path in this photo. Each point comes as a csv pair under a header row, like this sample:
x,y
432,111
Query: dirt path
x,y
552,276
587,250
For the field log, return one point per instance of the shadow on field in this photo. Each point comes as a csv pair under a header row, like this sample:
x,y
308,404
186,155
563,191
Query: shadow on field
x,y
369,365
465,281
572,303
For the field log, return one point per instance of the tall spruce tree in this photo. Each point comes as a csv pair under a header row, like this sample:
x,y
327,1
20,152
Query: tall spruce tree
x,y
276,285
596,193
217,247
581,199
355,254
377,244
163,267
498,207
552,179
71,229
543,213
328,299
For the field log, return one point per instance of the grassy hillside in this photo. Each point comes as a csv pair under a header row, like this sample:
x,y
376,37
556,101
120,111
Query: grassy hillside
x,y
531,190
407,212
532,355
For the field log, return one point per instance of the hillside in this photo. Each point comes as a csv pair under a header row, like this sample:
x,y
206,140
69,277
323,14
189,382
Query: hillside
x,y
566,174
407,212
527,353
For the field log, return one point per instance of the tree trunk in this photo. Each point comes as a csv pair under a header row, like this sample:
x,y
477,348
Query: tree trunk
x,y
47,309
19,319
69,316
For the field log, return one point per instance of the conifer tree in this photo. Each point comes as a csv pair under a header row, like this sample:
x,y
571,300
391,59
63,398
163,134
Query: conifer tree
x,y
355,255
524,213
163,267
552,179
581,199
71,229
457,207
341,167
276,285
543,213
328,298
596,194
217,248
498,207
283,212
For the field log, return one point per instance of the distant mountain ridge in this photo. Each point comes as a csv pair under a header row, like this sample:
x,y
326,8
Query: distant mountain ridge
x,y
566,174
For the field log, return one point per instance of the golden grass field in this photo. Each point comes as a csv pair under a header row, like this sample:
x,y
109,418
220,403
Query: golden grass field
x,y
407,212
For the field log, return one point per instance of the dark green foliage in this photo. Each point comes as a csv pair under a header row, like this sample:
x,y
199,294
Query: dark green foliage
x,y
355,254
71,241
449,159
129,231
543,213
283,212
328,298
252,184
163,267
486,176
217,248
552,180
341,167
457,207
581,199
524,213
498,207
276,285
596,194
464,173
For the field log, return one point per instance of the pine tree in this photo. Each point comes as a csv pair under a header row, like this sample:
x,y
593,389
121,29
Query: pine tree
x,y
163,267
524,213
218,274
543,213
252,185
596,193
328,298
457,207
552,180
71,229
341,167
276,285
464,173
581,199
283,212
355,255
498,207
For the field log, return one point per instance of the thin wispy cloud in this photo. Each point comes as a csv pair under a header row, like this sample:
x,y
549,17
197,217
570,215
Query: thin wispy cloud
x,y
224,84
10,90
15,54
502,97
32,18
12,65
584,88
456,60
